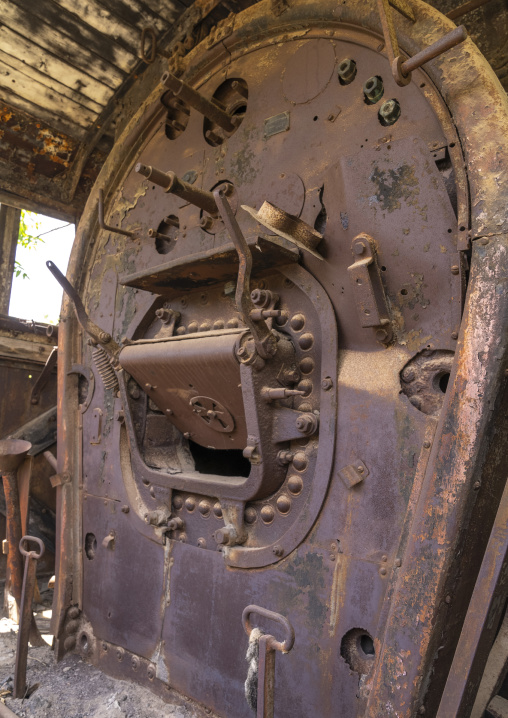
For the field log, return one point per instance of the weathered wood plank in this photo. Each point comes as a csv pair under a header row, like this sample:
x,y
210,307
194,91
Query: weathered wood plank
x,y
35,75
55,68
49,37
41,95
52,119
125,27
21,349
74,26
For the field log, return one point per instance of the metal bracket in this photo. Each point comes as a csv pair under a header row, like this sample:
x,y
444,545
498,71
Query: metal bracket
x,y
402,69
44,375
369,293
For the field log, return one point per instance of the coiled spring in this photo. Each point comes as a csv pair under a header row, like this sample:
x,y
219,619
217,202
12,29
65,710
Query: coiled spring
x,y
108,375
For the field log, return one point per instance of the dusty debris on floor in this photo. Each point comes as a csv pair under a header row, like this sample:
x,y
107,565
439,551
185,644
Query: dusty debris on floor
x,y
74,689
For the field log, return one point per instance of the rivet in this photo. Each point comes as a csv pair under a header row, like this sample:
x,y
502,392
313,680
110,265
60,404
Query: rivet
x,y
217,510
297,322
306,386
306,341
190,503
484,241
360,469
178,502
455,269
455,335
125,509
426,444
201,542
204,508
233,323
193,327
331,557
476,485
284,504
267,514
397,563
295,485
277,550
219,324
205,327
307,365
300,461
384,558
382,571
448,599
250,515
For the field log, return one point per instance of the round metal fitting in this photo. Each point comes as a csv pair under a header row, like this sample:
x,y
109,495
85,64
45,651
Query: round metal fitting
x,y
250,515
306,341
277,550
178,502
217,510
120,653
204,508
297,322
134,663
201,542
347,71
373,89
284,504
295,485
267,514
389,112
150,672
69,643
300,461
307,365
326,383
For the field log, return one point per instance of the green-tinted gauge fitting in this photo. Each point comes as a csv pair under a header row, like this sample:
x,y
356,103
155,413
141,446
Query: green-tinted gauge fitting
x,y
347,71
373,89
389,112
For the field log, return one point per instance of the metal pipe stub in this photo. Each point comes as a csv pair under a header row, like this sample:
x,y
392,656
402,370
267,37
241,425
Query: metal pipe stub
x,y
171,183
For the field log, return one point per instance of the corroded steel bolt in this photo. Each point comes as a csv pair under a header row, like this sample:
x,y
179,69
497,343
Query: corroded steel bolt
x,y
455,335
285,457
359,247
389,112
206,221
455,269
164,315
426,444
125,509
327,383
373,89
347,71
307,424
277,550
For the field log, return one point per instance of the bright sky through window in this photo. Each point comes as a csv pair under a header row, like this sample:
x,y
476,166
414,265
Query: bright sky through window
x,y
39,296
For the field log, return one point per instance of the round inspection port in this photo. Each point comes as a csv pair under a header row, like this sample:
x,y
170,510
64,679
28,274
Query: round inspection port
x,y
231,96
357,649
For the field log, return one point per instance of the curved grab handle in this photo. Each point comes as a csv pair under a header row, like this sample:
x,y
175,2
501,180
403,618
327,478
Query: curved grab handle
x,y
289,638
33,554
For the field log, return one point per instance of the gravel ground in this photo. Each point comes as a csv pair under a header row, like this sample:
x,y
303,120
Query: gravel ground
x,y
74,689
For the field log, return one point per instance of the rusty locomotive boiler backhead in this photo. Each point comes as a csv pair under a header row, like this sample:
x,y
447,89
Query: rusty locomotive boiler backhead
x,y
284,333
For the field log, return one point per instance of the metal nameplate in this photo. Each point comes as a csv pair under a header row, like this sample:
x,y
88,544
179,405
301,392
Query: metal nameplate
x,y
276,124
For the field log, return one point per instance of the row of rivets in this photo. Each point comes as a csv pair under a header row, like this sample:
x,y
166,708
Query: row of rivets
x,y
194,327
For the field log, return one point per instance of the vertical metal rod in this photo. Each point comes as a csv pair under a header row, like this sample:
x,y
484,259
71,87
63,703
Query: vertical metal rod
x,y
26,615
266,678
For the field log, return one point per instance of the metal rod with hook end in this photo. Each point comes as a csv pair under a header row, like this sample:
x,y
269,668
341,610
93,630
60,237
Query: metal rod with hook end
x,y
108,227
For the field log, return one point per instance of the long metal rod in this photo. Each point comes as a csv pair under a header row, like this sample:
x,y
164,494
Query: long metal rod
x,y
465,8
26,616
102,223
451,39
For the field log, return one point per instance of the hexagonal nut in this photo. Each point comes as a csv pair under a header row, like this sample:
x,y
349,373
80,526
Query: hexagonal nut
x,y
347,71
373,89
389,112
307,424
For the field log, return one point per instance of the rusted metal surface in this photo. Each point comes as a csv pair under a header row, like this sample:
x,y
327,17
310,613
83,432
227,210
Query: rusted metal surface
x,y
347,499
481,624
26,617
